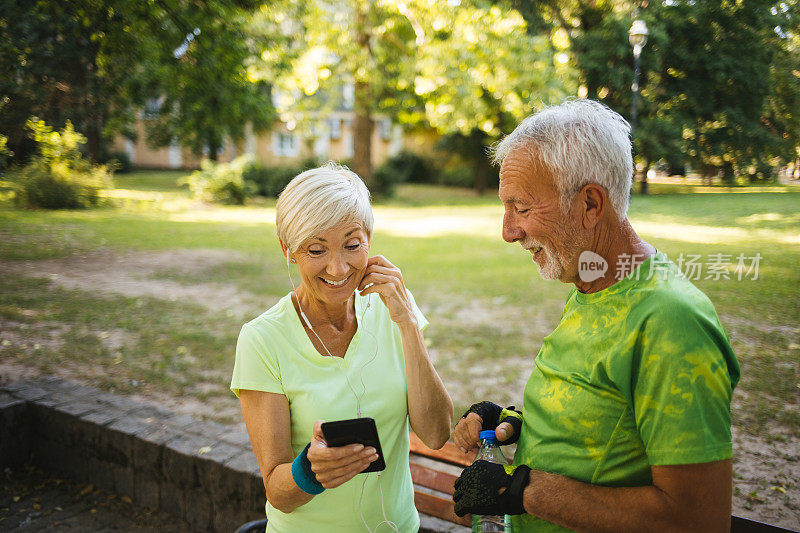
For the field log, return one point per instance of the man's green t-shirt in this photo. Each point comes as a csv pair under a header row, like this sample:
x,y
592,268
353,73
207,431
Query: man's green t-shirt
x,y
638,374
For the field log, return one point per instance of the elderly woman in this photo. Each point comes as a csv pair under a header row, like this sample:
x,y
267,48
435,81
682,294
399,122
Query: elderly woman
x,y
346,343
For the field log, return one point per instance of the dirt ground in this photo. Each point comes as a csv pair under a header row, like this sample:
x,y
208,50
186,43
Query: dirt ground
x,y
766,471
33,500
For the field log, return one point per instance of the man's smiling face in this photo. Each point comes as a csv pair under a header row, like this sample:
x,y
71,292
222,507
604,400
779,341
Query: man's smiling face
x,y
533,216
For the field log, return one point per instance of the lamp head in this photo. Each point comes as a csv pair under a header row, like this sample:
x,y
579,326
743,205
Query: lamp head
x,y
638,35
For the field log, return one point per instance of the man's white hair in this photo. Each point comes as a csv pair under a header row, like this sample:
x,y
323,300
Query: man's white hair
x,y
321,199
581,142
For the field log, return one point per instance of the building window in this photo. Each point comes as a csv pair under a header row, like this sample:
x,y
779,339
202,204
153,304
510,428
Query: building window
x,y
152,107
385,128
349,145
220,149
348,96
284,144
175,156
336,128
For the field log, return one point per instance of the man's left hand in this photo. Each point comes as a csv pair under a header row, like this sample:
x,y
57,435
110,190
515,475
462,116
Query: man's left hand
x,y
490,489
485,415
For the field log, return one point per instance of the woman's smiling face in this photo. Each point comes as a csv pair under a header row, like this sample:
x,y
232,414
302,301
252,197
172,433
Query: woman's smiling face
x,y
332,263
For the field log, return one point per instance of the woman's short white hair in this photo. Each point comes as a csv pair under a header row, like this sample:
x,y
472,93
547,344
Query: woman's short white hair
x,y
581,142
320,199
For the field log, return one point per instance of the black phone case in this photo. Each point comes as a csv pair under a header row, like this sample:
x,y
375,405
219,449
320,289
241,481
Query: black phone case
x,y
352,431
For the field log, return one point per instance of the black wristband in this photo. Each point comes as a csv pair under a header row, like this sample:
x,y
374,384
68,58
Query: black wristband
x,y
489,413
513,495
492,415
486,488
513,416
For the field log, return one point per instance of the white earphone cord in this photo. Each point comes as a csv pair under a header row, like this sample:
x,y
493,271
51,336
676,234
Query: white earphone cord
x,y
358,400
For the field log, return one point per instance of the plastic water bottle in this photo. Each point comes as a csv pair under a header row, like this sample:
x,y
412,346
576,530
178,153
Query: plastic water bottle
x,y
490,451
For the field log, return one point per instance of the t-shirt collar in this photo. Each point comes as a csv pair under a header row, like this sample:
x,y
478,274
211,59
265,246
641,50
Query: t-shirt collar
x,y
635,276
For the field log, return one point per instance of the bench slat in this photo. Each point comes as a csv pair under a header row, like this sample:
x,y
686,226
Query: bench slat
x,y
433,479
439,507
449,453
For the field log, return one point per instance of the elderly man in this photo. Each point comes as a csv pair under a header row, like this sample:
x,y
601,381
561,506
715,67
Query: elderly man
x,y
625,424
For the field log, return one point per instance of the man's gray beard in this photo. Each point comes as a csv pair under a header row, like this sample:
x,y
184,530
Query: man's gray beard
x,y
553,268
555,261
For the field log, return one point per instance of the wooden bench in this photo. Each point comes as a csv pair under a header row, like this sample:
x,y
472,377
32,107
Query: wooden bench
x,y
435,471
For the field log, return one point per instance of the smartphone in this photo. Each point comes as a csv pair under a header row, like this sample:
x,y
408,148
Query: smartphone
x,y
355,431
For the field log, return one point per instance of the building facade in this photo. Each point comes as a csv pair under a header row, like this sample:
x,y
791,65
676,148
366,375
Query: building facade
x,y
330,138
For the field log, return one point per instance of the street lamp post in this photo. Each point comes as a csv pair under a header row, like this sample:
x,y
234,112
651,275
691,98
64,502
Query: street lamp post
x,y
638,37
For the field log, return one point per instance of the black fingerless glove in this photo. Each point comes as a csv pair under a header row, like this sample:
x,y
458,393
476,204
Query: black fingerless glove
x,y
492,415
478,489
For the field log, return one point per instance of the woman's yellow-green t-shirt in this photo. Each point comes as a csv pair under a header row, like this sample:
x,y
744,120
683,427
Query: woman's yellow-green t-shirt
x,y
274,354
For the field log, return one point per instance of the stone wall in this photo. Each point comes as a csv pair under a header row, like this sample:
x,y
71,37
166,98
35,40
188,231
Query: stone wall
x,y
203,472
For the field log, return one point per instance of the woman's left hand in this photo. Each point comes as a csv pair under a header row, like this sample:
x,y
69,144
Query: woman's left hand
x,y
384,278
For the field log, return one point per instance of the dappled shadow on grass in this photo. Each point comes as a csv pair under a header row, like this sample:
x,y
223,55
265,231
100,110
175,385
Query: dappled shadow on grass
x,y
38,234
118,343
463,275
762,319
747,211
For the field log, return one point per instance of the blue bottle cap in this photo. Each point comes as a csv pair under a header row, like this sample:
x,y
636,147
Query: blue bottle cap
x,y
488,434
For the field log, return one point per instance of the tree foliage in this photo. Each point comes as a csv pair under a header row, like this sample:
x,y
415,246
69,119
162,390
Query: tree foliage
x,y
348,56
206,94
720,85
97,62
479,73
717,80
716,88
69,60
58,176
469,70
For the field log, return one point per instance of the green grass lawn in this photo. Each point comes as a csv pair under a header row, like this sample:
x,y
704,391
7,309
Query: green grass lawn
x,y
488,307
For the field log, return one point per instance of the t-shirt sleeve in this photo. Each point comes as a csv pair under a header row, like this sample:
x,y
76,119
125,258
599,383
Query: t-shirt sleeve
x,y
422,322
683,387
255,367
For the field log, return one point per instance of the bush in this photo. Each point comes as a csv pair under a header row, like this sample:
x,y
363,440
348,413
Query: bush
x,y
456,176
403,167
412,168
5,153
383,182
59,187
58,177
270,181
221,182
119,161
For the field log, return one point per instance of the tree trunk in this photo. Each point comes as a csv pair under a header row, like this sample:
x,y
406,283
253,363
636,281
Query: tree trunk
x,y
643,185
94,134
93,139
728,174
213,148
362,125
92,101
362,133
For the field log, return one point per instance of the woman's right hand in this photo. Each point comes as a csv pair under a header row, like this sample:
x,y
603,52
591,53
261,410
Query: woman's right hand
x,y
336,465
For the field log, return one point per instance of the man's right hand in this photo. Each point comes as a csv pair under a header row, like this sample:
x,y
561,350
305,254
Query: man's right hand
x,y
466,434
